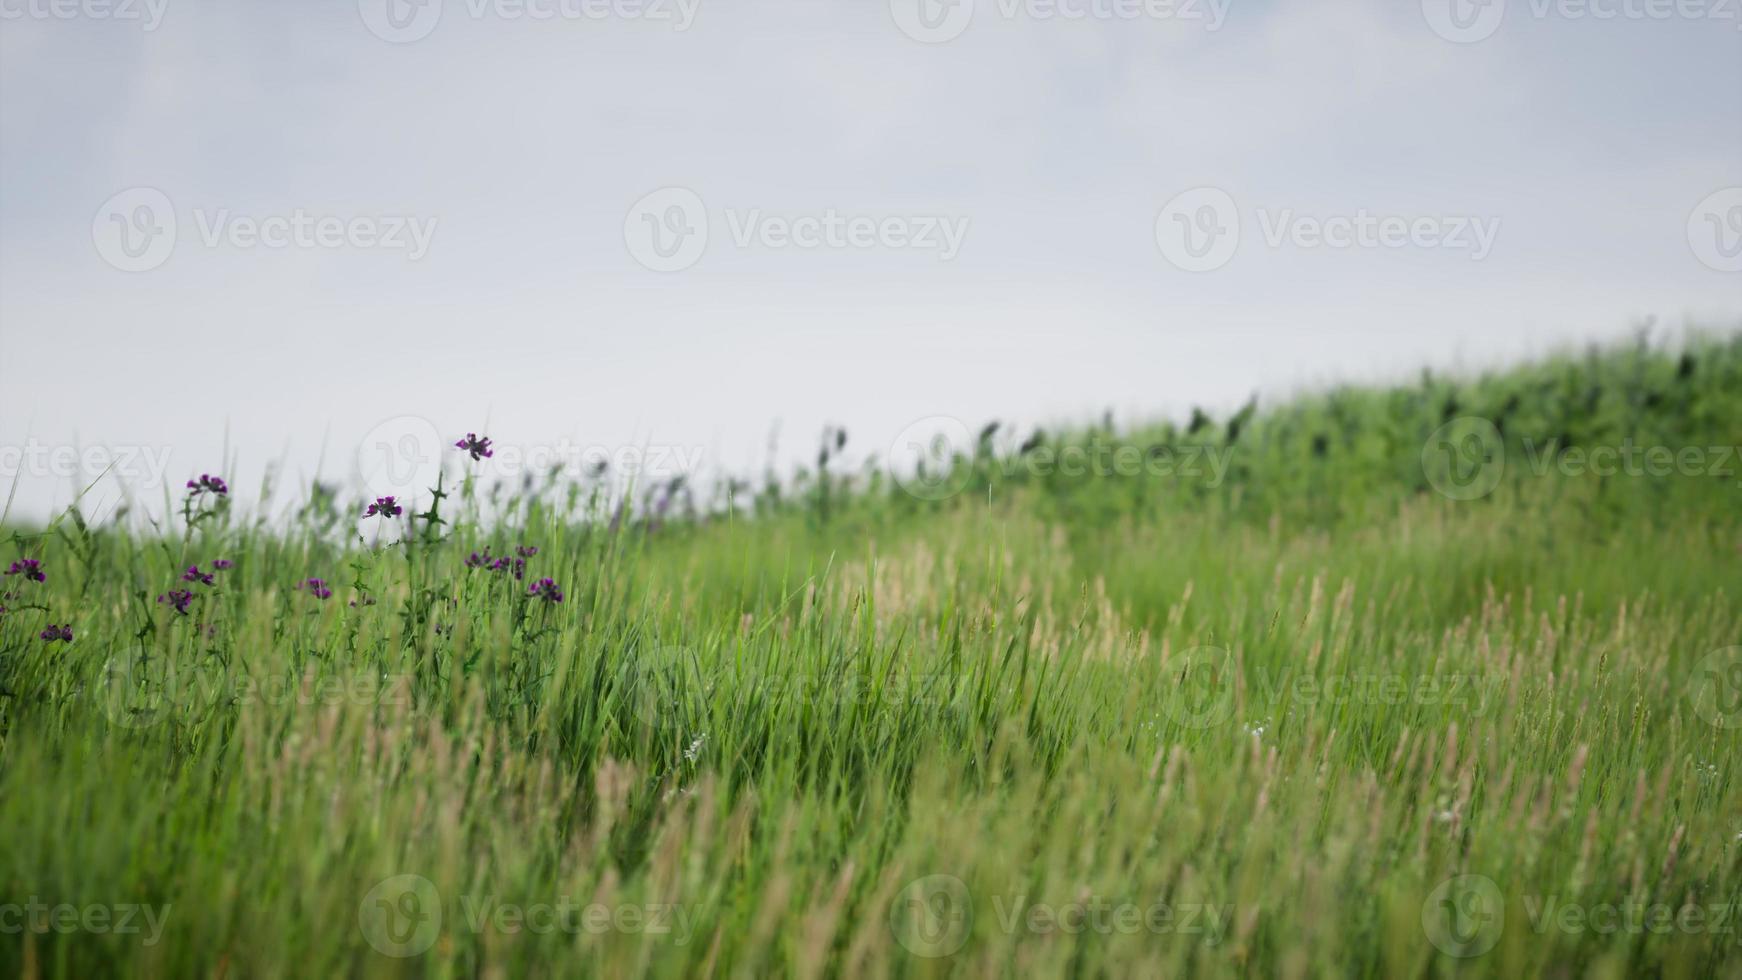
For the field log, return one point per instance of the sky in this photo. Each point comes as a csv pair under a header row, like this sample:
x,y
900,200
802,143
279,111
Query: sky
x,y
334,237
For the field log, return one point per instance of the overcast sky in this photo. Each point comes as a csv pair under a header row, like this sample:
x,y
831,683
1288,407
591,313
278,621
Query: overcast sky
x,y
291,229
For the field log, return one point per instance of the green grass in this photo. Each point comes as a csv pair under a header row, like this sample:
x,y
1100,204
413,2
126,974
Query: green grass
x,y
1313,718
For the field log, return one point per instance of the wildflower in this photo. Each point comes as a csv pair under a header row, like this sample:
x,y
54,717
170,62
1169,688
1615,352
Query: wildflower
x,y
222,564
526,550
193,574
519,569
62,633
545,589
30,568
178,599
208,482
384,507
316,587
367,600
478,447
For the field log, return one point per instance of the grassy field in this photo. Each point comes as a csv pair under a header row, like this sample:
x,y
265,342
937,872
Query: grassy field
x,y
1441,679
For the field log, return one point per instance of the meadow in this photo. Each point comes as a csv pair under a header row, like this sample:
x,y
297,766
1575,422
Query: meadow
x,y
1437,679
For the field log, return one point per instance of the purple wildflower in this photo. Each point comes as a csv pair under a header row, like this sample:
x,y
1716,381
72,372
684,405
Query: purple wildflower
x,y
316,587
545,589
519,569
478,447
62,633
222,564
526,550
30,568
193,574
384,507
209,482
476,560
180,599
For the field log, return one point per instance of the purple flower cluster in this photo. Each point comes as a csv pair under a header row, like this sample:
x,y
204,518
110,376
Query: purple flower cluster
x,y
384,507
545,589
316,587
222,564
177,599
30,568
209,482
193,574
490,563
486,561
478,447
61,633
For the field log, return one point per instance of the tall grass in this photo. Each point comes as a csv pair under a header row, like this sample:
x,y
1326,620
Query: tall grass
x,y
1314,719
